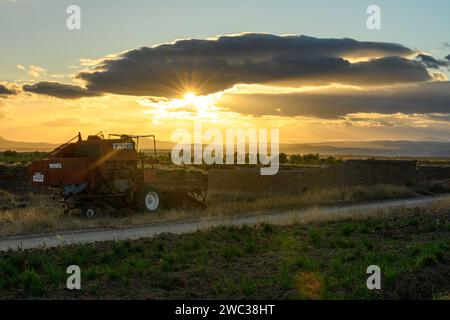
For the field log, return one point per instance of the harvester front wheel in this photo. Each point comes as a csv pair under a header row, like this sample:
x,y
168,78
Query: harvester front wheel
x,y
148,199
89,211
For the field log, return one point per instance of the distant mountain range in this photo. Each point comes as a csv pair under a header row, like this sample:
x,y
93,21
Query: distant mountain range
x,y
373,148
342,148
25,146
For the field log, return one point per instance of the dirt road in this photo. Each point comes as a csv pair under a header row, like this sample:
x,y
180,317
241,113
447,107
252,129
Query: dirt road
x,y
147,231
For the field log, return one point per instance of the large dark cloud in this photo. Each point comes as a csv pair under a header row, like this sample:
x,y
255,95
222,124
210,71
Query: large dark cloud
x,y
423,98
5,91
59,90
207,66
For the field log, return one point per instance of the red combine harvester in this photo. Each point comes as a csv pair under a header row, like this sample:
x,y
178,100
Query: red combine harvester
x,y
99,174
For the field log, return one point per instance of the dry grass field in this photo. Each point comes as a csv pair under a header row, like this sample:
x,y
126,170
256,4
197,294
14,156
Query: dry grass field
x,y
34,213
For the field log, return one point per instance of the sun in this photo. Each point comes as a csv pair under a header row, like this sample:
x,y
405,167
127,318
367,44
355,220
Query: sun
x,y
190,98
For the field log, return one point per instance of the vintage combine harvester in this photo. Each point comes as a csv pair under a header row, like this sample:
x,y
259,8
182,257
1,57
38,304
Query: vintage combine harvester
x,y
99,174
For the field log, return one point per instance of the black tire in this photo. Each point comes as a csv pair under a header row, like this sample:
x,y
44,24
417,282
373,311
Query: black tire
x,y
148,199
89,211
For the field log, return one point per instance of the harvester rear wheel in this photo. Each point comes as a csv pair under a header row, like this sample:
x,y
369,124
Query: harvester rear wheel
x,y
89,211
148,199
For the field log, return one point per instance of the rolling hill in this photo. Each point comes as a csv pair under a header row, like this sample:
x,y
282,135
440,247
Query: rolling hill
x,y
25,146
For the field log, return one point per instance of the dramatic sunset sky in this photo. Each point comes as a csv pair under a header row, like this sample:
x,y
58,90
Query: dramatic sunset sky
x,y
310,68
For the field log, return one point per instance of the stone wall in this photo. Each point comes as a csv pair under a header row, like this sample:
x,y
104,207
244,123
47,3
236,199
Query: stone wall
x,y
345,174
370,172
434,173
